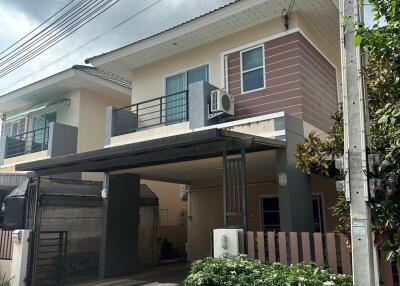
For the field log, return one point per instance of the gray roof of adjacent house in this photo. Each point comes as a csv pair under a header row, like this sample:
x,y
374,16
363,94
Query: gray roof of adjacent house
x,y
116,79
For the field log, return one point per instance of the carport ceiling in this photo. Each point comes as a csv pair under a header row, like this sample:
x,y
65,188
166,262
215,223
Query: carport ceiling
x,y
259,165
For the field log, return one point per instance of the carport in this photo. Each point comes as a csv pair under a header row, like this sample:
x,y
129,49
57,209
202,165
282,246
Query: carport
x,y
169,158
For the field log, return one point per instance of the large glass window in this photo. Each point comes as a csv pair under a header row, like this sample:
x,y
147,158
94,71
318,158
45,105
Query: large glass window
x,y
270,213
40,134
176,87
252,62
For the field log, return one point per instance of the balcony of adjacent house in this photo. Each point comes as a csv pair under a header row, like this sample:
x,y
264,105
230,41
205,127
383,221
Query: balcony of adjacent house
x,y
35,134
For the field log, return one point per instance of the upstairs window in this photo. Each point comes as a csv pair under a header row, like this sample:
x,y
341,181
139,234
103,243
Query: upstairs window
x,y
252,69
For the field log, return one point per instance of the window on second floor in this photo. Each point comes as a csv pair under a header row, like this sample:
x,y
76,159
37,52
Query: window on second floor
x,y
252,69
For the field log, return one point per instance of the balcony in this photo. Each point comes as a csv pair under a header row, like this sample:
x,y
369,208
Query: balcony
x,y
161,111
57,139
27,143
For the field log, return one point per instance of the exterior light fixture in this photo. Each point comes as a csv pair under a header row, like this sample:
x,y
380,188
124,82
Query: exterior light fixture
x,y
282,179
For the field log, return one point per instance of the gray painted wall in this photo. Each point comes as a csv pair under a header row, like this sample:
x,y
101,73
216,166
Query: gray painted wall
x,y
199,99
63,140
120,226
295,199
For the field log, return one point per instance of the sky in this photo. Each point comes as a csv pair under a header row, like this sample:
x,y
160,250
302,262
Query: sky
x,y
18,17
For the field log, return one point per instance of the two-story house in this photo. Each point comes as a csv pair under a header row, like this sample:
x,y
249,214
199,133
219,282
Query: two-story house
x,y
218,105
59,115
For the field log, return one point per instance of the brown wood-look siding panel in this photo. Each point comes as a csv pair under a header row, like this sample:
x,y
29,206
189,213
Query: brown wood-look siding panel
x,y
317,54
317,78
282,248
261,246
294,248
250,245
283,55
345,255
270,105
277,43
241,242
273,51
319,250
332,259
386,270
306,247
299,80
282,72
269,98
271,247
295,110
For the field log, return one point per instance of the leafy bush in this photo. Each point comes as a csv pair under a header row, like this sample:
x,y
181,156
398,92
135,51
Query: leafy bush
x,y
240,271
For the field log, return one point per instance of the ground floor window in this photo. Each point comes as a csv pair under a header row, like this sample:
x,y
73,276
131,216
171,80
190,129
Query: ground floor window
x,y
270,214
318,211
271,217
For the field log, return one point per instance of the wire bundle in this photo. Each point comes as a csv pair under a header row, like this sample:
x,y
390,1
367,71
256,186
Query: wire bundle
x,y
60,25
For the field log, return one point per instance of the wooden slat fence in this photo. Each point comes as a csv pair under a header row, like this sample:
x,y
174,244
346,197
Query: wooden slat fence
x,y
6,244
323,249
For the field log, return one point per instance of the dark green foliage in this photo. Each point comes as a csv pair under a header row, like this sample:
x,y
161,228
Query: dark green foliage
x,y
239,271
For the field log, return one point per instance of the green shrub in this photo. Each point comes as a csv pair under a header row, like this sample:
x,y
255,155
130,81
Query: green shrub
x,y
240,271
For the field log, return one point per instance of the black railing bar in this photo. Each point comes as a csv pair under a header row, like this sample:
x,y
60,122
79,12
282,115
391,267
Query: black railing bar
x,y
160,111
166,109
13,147
29,132
165,116
158,124
156,105
153,99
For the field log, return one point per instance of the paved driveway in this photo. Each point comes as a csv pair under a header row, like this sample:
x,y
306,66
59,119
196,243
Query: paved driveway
x,y
165,275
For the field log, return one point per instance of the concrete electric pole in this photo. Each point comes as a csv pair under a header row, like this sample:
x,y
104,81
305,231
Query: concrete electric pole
x,y
355,147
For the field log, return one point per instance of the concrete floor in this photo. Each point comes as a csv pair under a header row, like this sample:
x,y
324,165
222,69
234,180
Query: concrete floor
x,y
165,275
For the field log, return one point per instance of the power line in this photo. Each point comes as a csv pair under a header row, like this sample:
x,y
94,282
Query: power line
x,y
84,44
82,20
84,14
48,19
42,31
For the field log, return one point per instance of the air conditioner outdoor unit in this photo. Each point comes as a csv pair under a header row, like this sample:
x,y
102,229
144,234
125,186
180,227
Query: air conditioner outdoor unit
x,y
221,102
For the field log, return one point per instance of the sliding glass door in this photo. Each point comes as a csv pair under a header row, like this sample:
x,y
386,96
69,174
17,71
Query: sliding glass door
x,y
176,87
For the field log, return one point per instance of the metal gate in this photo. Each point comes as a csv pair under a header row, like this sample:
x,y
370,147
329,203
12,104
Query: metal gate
x,y
47,250
51,258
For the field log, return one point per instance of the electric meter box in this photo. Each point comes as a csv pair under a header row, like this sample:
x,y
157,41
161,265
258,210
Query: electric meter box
x,y
226,242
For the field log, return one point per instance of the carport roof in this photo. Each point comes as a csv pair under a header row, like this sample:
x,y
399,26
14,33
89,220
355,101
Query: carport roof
x,y
178,148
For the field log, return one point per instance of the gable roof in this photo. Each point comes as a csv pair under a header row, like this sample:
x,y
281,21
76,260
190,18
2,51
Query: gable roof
x,y
78,76
219,23
100,73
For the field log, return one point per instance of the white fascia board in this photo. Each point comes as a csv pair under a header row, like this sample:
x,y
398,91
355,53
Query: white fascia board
x,y
169,35
33,87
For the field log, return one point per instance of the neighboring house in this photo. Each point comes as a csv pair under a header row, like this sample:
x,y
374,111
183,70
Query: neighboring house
x,y
236,169
61,114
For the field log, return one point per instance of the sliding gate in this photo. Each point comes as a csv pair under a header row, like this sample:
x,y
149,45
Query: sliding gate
x,y
48,249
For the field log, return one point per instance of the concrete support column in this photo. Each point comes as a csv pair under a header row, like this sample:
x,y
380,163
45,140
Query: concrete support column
x,y
119,235
294,190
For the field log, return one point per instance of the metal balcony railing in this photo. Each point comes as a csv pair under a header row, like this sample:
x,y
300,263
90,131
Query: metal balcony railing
x,y
28,142
165,110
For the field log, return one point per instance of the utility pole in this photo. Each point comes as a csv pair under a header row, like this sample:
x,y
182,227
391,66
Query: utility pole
x,y
356,145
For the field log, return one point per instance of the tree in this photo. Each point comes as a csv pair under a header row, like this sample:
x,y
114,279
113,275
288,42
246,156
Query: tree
x,y
381,44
